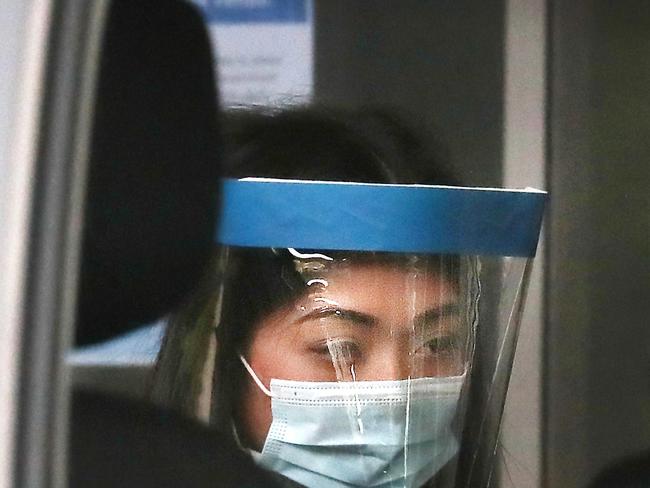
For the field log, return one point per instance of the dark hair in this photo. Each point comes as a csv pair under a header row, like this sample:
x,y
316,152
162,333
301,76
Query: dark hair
x,y
369,145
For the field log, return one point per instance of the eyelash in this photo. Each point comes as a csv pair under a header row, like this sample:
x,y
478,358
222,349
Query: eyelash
x,y
349,349
439,345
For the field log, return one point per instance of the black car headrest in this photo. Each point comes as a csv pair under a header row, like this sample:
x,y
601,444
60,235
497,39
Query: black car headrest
x,y
153,176
118,443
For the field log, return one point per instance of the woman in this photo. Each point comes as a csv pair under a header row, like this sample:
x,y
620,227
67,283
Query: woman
x,y
354,329
342,367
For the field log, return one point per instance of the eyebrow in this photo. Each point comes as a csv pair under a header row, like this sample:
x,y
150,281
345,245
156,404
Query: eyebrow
x,y
340,313
360,318
436,313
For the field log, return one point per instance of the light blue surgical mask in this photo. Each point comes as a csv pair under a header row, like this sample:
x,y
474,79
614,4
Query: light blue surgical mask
x,y
361,433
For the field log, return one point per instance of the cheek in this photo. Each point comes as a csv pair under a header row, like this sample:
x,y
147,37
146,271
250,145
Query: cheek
x,y
267,355
443,366
274,354
254,418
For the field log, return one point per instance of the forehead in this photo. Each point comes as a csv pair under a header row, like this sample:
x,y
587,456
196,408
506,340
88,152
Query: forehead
x,y
383,285
393,298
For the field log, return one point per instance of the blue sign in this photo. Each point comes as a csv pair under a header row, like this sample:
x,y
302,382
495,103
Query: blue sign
x,y
255,11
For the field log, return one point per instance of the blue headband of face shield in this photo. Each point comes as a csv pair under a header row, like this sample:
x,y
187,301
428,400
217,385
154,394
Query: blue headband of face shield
x,y
380,217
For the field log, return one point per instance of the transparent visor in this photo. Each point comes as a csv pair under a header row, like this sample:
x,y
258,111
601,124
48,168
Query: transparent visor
x,y
366,368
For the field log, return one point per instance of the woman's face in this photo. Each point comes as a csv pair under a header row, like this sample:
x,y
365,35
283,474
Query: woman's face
x,y
358,322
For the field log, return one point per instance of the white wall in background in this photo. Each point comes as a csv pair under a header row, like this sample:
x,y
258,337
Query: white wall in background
x,y
264,50
520,463
23,35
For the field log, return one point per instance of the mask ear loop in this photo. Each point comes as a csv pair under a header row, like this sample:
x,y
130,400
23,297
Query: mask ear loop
x,y
256,379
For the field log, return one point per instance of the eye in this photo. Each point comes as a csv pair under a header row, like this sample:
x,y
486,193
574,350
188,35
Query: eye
x,y
338,349
439,345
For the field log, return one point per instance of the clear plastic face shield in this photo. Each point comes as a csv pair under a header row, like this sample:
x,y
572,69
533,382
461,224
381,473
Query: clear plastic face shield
x,y
365,333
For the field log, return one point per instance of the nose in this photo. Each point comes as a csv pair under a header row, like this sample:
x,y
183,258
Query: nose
x,y
390,363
